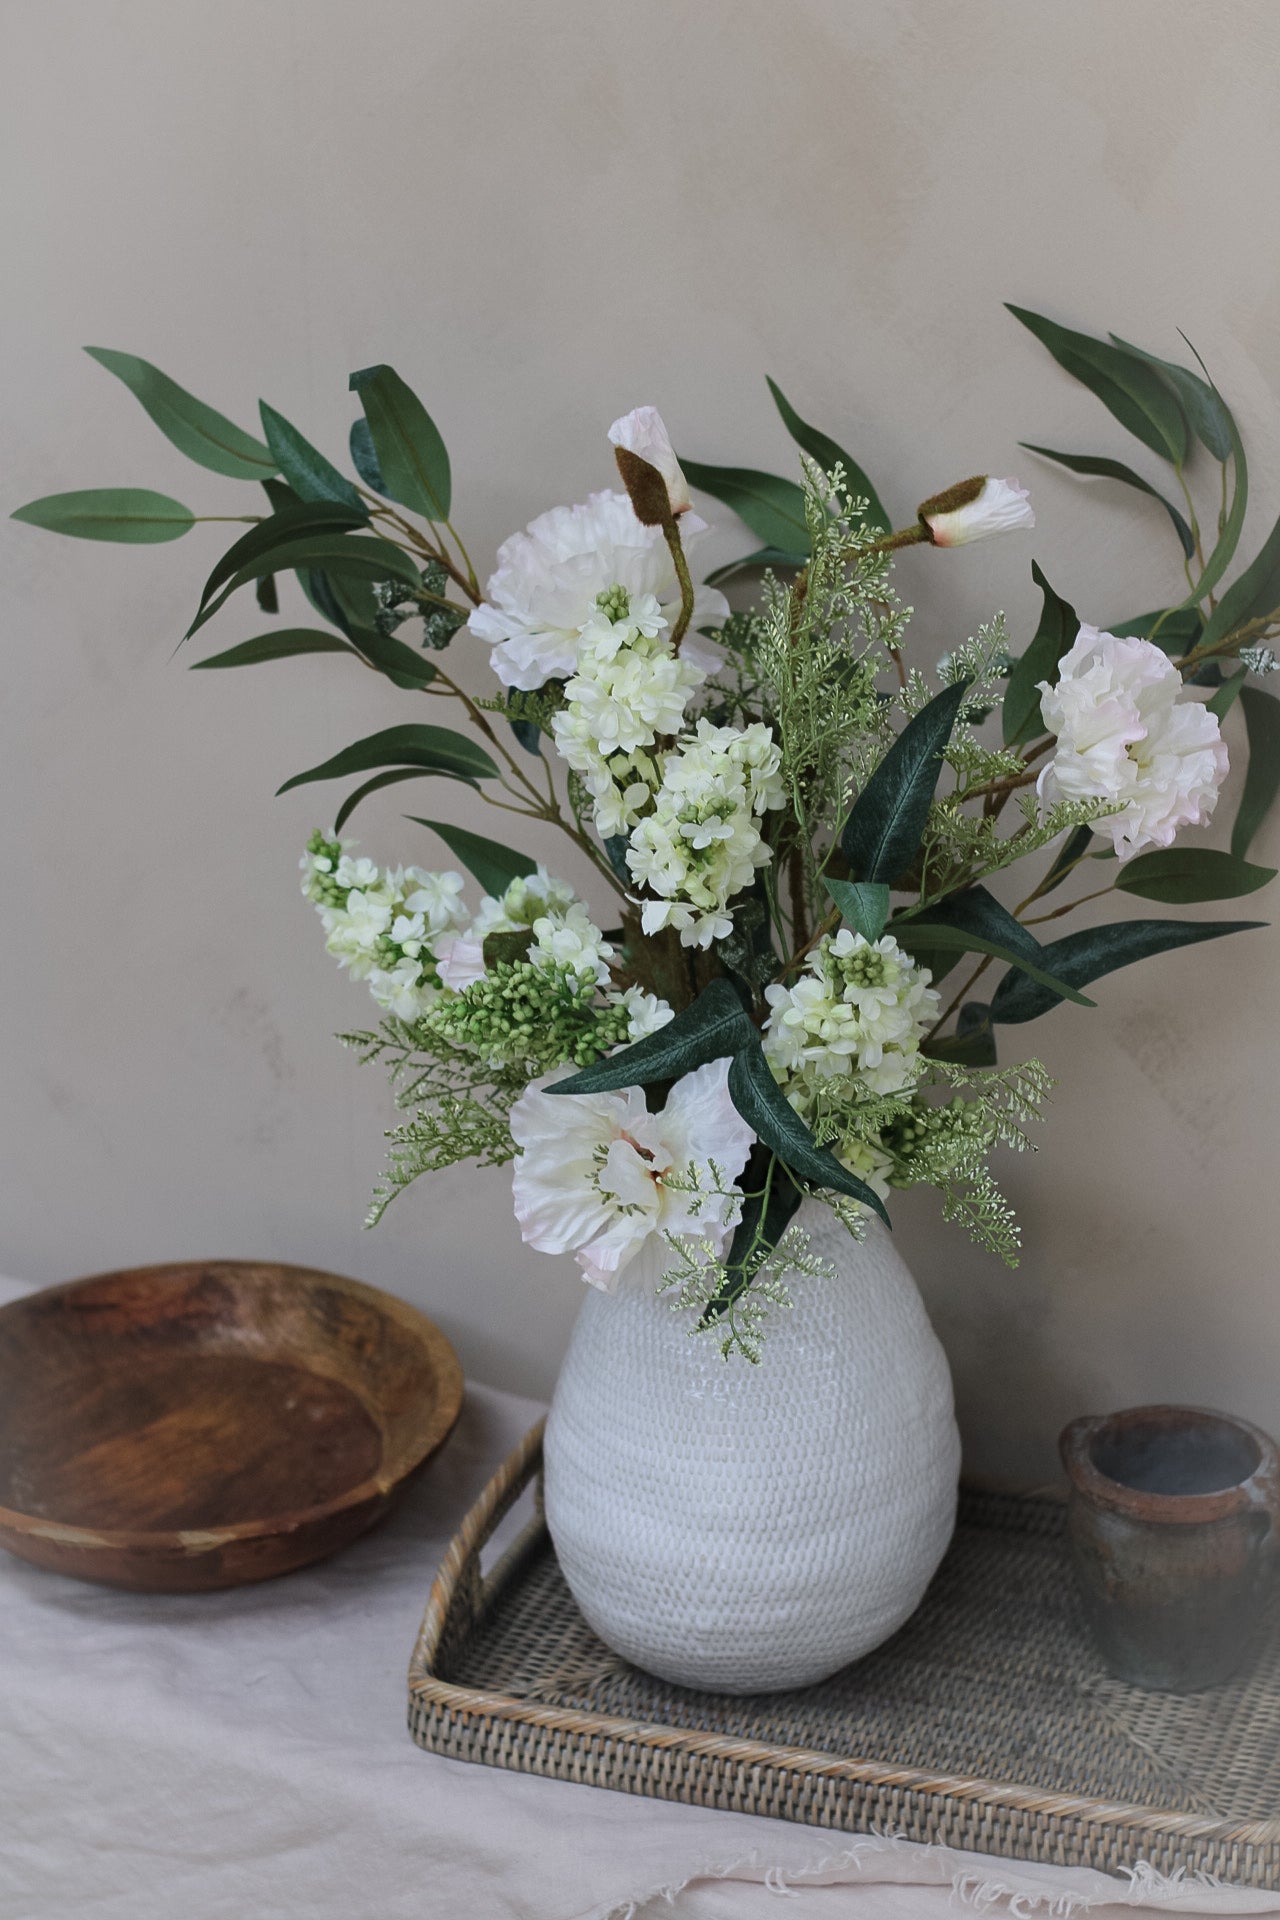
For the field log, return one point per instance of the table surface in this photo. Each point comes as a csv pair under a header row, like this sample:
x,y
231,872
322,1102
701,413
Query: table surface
x,y
243,1756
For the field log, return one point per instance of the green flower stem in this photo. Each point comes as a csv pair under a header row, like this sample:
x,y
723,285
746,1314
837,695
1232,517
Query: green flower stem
x,y
671,534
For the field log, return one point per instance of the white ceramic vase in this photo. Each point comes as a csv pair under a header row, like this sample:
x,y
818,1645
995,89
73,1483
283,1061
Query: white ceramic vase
x,y
744,1529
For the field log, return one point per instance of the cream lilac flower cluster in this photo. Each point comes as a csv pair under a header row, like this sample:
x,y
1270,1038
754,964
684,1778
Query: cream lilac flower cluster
x,y
409,935
701,844
383,926
858,1008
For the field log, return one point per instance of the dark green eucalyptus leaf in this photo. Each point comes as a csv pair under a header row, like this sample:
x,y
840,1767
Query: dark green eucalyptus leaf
x,y
376,785
1253,596
283,645
528,735
266,594
1095,951
615,850
400,663
411,455
773,508
1262,775
975,922
884,828
311,476
822,448
765,1108
1229,539
1116,470
1054,636
132,514
434,749
291,522
493,865
714,1026
864,904
973,1044
786,559
1073,848
362,555
206,437
506,949
1137,396
1177,875
1203,405
364,457
1228,693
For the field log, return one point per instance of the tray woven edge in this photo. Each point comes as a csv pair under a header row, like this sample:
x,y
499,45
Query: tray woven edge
x,y
793,1783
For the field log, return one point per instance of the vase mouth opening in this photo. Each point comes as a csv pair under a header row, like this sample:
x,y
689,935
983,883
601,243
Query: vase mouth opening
x,y
1186,1455
1170,1463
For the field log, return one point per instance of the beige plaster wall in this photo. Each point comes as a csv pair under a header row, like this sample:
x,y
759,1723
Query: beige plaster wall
x,y
544,214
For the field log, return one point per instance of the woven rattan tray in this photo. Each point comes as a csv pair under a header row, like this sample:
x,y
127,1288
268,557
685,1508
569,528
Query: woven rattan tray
x,y
987,1723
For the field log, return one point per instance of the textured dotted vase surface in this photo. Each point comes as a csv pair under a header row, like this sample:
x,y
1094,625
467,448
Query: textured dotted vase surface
x,y
746,1529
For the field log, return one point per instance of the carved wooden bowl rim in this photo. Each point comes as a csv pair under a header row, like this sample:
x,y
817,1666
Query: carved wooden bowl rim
x,y
415,1446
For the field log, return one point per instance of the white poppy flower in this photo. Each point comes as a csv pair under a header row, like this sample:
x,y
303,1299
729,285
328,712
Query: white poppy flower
x,y
642,432
996,506
590,1176
554,579
1125,736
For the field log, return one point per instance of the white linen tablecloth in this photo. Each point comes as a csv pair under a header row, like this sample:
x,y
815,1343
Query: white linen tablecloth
x,y
243,1756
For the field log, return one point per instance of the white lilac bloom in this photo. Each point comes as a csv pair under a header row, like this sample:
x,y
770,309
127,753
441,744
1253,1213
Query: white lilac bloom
x,y
590,1176
994,506
646,1013
701,844
867,1161
643,433
858,1009
1124,736
553,579
437,897
570,940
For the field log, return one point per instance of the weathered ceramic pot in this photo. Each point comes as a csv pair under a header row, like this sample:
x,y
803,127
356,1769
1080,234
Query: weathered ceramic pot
x,y
745,1528
1174,1521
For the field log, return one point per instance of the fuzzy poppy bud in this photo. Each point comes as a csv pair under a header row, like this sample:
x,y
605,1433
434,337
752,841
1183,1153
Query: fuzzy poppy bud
x,y
643,449
974,508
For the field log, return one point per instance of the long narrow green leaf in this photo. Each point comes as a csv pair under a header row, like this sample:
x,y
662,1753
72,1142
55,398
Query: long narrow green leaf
x,y
132,514
767,1111
758,1231
411,456
311,476
435,749
822,448
402,666
1095,951
1253,596
363,457
364,556
1096,466
380,780
714,1026
283,645
1134,393
1073,848
1229,539
773,508
864,904
1054,636
1176,629
1228,693
1178,875
493,865
884,828
290,522
975,922
206,437
1262,776
1206,410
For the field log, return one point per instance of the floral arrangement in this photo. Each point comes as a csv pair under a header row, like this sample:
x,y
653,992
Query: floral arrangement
x,y
794,822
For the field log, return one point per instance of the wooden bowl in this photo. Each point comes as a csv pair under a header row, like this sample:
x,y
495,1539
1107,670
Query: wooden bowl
x,y
180,1428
